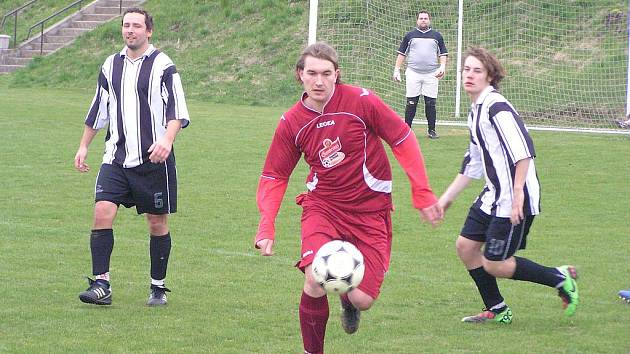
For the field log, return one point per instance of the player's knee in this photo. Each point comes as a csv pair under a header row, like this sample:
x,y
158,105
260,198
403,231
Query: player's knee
x,y
157,224
466,248
312,288
412,101
498,269
360,300
104,214
429,101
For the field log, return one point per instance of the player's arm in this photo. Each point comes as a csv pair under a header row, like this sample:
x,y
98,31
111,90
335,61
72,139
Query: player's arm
x,y
457,186
442,69
97,118
162,147
472,168
518,196
79,158
410,158
400,59
268,198
281,159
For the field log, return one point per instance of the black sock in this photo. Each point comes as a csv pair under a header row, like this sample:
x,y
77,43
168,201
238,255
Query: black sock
x,y
101,245
533,272
410,109
487,286
160,249
430,111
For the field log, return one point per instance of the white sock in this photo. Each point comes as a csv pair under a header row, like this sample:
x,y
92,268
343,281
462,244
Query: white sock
x,y
159,283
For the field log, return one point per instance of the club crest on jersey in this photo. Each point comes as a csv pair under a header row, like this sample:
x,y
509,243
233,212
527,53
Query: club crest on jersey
x,y
331,154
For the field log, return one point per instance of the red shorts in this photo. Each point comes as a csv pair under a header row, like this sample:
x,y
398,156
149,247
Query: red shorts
x,y
370,232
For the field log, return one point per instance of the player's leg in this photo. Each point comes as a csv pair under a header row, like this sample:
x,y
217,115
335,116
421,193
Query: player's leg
x,y
159,251
155,191
410,109
111,189
430,93
371,233
469,249
413,87
313,310
504,240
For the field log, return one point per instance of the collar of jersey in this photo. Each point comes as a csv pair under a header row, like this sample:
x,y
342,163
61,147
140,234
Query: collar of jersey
x,y
484,93
304,95
149,51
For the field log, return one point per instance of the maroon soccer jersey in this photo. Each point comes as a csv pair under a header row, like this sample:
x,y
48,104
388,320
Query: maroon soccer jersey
x,y
342,145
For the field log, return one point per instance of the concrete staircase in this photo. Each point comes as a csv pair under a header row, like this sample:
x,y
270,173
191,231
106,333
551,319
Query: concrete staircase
x,y
63,32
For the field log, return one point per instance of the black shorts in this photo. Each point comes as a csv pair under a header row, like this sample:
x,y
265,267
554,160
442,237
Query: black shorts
x,y
152,188
501,237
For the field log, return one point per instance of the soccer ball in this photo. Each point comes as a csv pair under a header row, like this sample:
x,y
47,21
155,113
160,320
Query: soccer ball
x,y
338,267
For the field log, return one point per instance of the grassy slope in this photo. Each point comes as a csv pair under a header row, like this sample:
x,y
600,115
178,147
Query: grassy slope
x,y
226,51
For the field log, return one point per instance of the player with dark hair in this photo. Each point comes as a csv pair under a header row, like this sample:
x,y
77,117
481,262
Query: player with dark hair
x,y
498,222
426,56
338,129
139,97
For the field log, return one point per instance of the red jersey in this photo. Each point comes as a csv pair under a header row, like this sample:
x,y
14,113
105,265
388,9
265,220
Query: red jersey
x,y
349,168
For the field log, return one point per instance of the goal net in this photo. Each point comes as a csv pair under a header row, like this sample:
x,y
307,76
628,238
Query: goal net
x,y
567,61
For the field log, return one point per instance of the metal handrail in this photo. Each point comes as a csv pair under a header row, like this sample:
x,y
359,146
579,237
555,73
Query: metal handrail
x,y
15,21
41,23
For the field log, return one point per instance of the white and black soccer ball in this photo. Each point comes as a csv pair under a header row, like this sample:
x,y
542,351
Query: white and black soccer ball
x,y
338,267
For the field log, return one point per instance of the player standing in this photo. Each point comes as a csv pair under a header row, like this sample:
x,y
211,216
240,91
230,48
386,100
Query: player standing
x,y
338,128
426,56
139,96
502,151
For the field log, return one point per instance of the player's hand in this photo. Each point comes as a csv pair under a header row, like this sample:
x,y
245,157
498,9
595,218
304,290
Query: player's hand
x,y
433,214
160,150
396,75
79,160
444,202
265,246
518,198
440,72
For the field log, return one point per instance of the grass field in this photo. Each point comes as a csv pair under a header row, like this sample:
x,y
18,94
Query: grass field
x,y
227,299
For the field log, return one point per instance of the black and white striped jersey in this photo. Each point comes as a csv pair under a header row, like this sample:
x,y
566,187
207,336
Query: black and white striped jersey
x,y
136,99
499,139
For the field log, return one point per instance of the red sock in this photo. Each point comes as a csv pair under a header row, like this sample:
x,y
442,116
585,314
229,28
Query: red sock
x,y
313,319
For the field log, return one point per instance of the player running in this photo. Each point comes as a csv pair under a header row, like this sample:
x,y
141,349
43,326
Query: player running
x,y
338,128
499,220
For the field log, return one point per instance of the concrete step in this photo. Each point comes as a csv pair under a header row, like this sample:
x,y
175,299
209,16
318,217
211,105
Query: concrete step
x,y
74,32
30,53
85,24
16,61
97,17
57,39
5,69
116,3
102,10
46,46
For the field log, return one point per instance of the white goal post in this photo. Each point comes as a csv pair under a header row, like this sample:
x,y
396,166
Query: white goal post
x,y
567,61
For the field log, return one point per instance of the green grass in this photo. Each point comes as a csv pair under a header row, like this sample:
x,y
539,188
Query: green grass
x,y
227,299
